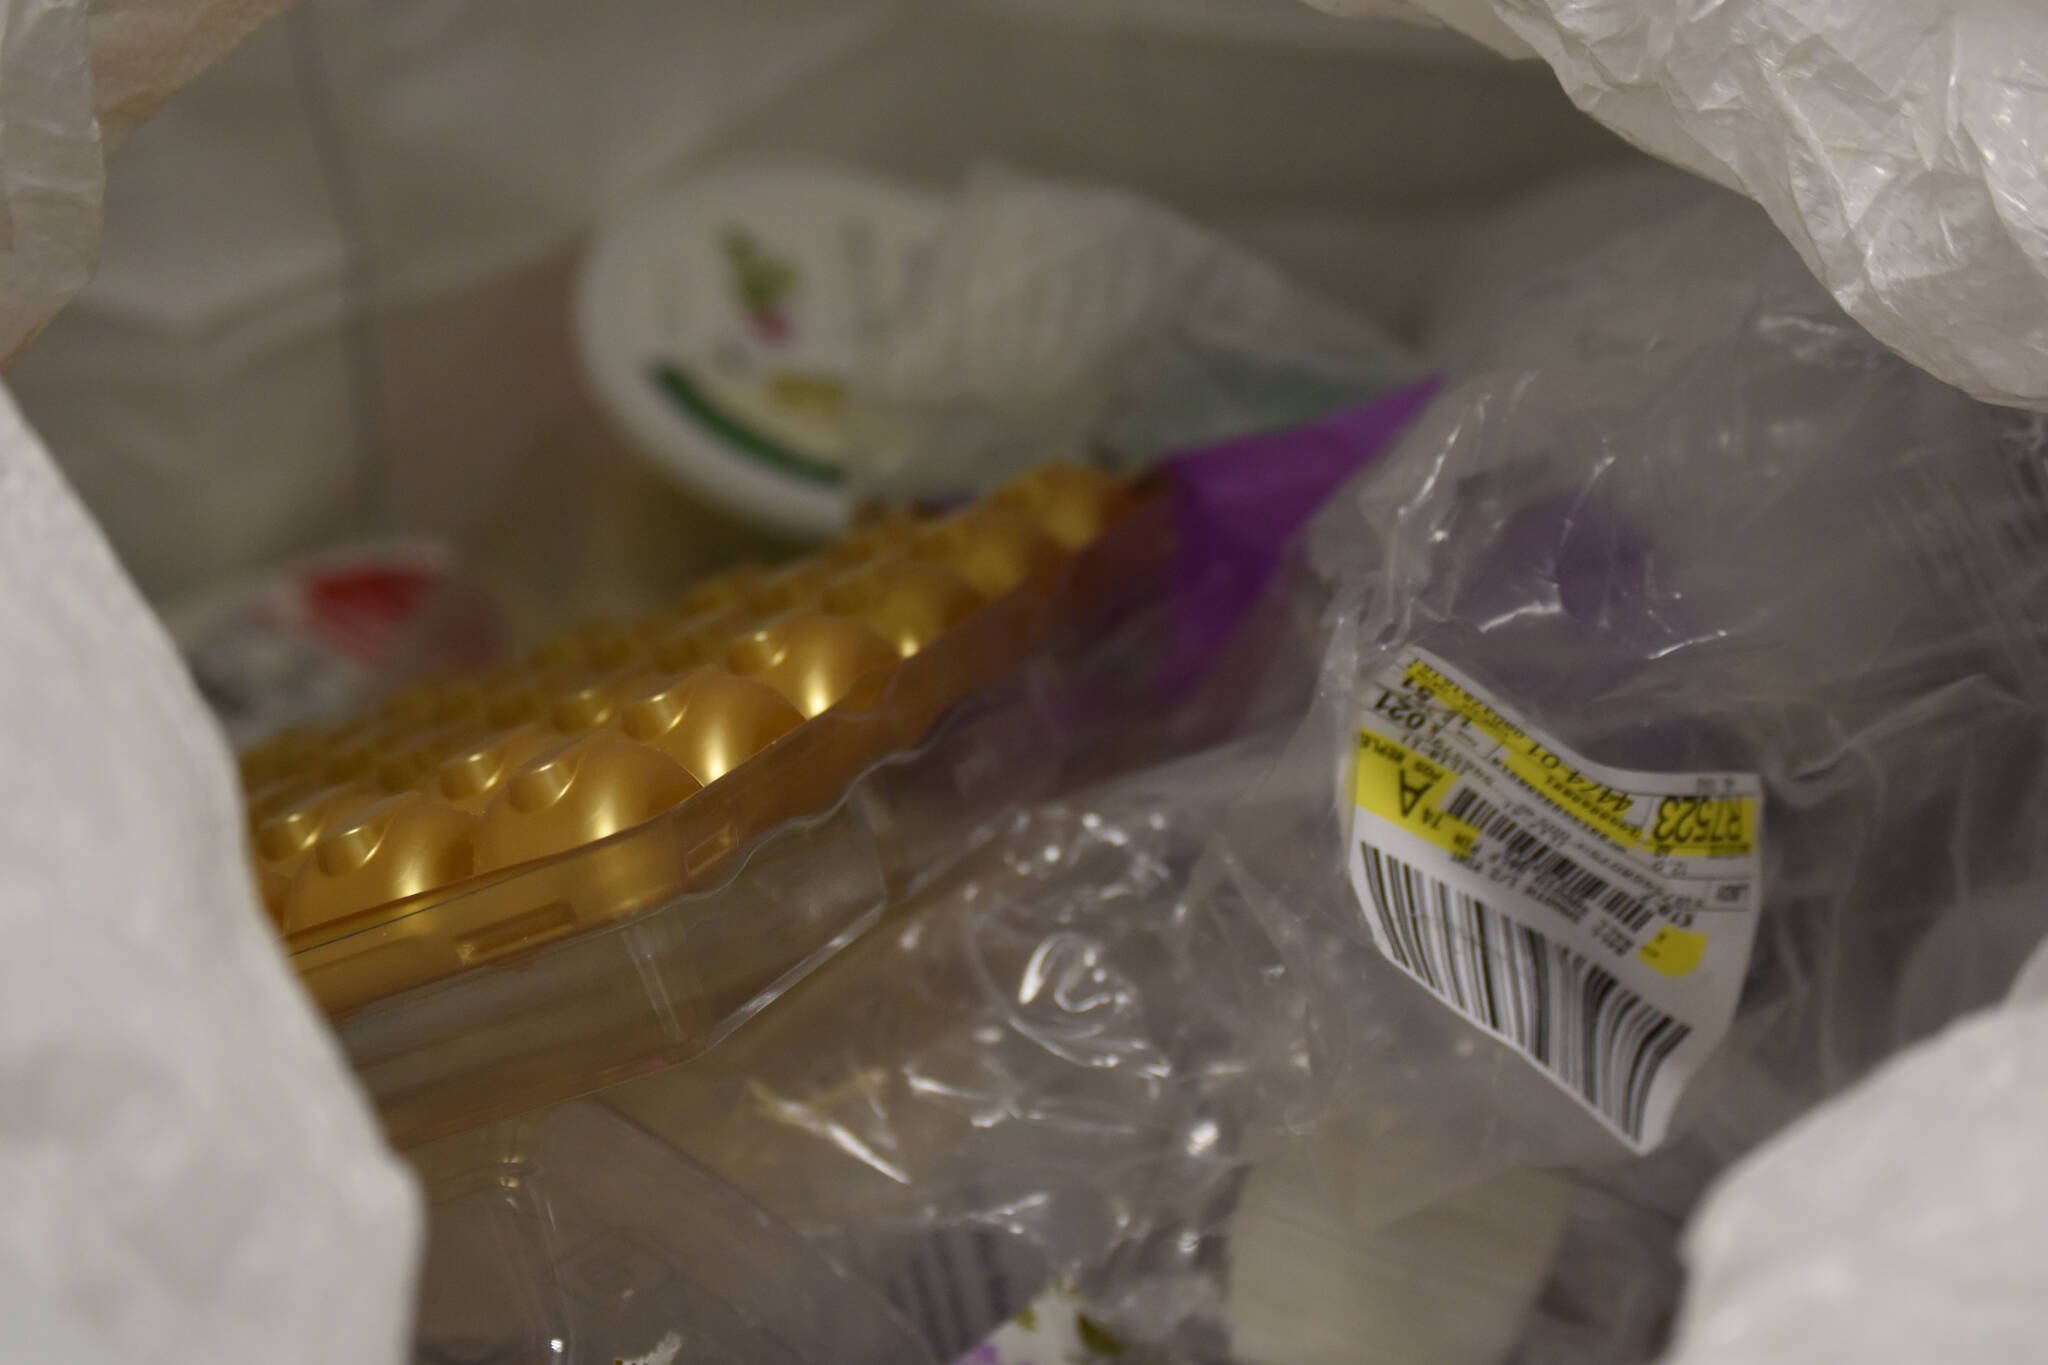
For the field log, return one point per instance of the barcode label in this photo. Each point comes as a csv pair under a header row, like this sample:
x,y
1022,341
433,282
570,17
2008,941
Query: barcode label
x,y
1596,919
1555,876
1600,1040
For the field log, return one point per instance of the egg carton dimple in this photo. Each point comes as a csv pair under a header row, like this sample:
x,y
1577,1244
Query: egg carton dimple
x,y
408,845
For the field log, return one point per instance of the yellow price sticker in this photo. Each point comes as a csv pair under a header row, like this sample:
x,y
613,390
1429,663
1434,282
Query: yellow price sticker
x,y
1404,788
1488,720
1592,803
1702,827
1674,951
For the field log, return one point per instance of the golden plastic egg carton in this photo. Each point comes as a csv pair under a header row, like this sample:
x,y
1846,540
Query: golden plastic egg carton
x,y
496,821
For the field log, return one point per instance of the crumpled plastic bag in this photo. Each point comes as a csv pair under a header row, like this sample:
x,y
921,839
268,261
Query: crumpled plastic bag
x,y
144,50
73,78
1061,1054
187,1167
1056,320
1919,1191
1684,515
1898,143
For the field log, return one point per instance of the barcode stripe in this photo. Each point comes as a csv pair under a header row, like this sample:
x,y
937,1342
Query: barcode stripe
x,y
1598,1038
1407,919
1575,885
1436,933
1453,958
1376,882
1487,992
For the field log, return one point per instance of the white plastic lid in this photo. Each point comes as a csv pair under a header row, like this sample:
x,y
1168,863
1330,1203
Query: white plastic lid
x,y
720,324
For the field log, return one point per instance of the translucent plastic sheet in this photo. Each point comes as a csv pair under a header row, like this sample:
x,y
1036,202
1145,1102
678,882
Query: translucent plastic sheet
x,y
189,1170
145,50
74,74
1065,1051
352,240
1917,1190
187,1166
580,1239
1687,516
52,175
1896,143
1060,319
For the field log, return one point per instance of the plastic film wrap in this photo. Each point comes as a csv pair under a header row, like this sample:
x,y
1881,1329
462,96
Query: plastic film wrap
x,y
1054,320
1896,143
1686,516
75,77
1065,1047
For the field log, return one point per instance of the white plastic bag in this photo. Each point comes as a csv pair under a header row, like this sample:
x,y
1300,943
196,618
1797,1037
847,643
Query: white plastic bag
x,y
187,1168
1682,516
1059,319
73,76
1900,1223
1897,143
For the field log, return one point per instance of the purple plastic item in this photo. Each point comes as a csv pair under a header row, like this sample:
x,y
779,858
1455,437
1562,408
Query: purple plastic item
x,y
1238,503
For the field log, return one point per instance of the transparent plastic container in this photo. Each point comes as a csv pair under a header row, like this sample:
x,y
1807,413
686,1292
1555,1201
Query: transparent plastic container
x,y
577,1238
559,975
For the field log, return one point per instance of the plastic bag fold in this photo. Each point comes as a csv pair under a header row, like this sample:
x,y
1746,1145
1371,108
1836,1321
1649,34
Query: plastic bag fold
x,y
1898,144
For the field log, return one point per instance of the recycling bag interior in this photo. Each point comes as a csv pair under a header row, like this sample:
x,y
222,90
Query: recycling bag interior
x,y
1200,680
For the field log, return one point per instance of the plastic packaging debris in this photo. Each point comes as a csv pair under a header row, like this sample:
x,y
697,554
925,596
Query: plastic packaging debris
x,y
1694,521
576,1237
187,1164
1075,1062
1059,321
332,303
1915,1191
332,300
1053,1063
854,653
511,889
722,324
1896,143
78,77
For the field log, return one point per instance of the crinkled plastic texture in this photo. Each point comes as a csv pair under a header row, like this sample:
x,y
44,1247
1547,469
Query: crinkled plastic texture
x,y
187,1167
144,50
1897,143
577,1237
1919,1191
75,76
52,176
1691,518
1067,1049
349,241
1054,320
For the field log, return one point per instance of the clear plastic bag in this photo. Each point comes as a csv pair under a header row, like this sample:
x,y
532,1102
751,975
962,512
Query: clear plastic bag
x,y
1054,320
1055,1062
1684,515
1896,143
1917,1190
78,77
575,1237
